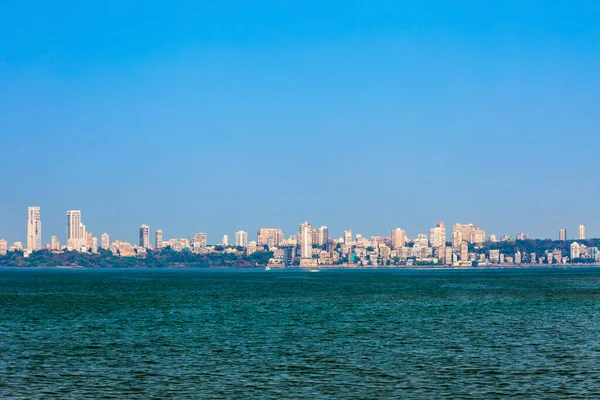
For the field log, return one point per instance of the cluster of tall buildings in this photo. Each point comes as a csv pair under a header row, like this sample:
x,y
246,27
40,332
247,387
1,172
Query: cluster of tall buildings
x,y
310,246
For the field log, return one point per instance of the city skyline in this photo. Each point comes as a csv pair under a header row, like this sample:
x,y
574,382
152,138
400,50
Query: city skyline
x,y
77,236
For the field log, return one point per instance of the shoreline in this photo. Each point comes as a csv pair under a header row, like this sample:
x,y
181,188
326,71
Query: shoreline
x,y
324,268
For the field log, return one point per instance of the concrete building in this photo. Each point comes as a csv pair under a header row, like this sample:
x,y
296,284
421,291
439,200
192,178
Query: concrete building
x,y
34,229
305,240
54,243
199,242
225,241
575,251
145,236
495,256
464,251
437,235
241,239
158,239
562,235
581,232
522,236
398,238
348,237
272,237
94,246
322,236
76,233
105,241
3,247
469,233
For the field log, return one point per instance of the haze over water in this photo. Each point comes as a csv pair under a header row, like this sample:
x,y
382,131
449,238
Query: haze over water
x,y
290,334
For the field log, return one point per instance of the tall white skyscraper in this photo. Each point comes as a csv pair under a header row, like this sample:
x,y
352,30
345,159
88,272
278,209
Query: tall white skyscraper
x,y
241,239
225,241
3,247
347,237
145,236
34,229
305,240
581,232
74,225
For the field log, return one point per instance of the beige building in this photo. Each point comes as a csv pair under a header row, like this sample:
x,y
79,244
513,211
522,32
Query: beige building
x,y
398,238
272,237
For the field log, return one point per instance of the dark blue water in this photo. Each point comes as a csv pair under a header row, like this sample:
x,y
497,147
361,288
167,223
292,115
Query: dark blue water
x,y
295,334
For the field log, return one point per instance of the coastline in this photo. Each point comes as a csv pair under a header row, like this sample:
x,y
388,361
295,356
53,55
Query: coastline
x,y
322,268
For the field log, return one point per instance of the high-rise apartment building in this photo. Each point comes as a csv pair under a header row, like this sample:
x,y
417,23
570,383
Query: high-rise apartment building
x,y
88,240
3,247
54,243
225,241
575,251
272,237
322,236
73,225
158,242
105,241
145,236
468,233
398,238
241,239
305,240
94,246
348,237
34,229
581,232
562,235
437,235
199,242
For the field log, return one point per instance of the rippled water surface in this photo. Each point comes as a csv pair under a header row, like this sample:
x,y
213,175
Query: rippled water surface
x,y
295,334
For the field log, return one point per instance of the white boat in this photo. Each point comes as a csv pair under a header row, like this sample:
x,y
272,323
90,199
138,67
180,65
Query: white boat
x,y
267,268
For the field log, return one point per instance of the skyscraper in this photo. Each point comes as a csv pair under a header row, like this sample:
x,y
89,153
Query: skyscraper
x,y
158,239
3,247
225,241
241,239
348,237
437,235
73,225
581,232
562,235
34,229
105,241
398,238
305,240
322,235
145,236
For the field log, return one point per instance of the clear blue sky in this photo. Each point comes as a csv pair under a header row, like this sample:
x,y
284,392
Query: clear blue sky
x,y
223,115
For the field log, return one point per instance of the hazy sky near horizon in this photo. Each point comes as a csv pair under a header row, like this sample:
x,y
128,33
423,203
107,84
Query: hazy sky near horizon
x,y
366,115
